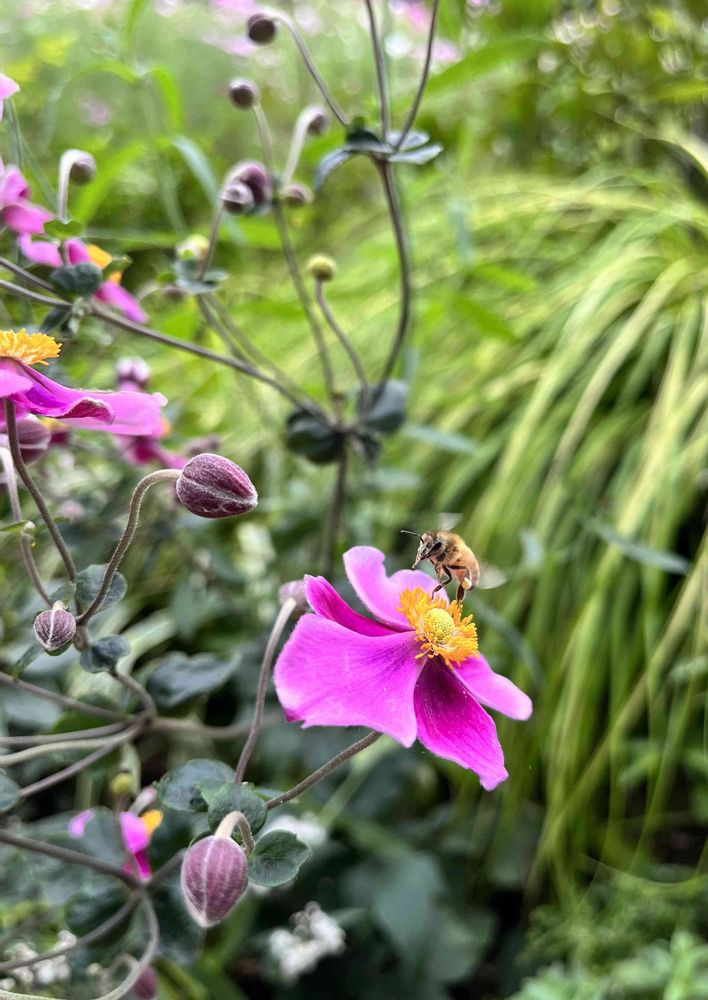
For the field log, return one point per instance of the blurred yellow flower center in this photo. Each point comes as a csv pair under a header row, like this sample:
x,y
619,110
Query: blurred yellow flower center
x,y
151,820
102,259
439,627
32,348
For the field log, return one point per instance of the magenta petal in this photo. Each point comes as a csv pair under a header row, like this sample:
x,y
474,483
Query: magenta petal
x,y
493,690
329,676
13,187
77,824
451,724
24,217
76,251
365,569
40,251
141,860
116,296
13,378
8,87
135,833
326,602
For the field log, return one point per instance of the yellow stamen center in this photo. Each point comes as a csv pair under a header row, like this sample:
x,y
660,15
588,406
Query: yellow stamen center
x,y
151,820
439,627
101,258
32,348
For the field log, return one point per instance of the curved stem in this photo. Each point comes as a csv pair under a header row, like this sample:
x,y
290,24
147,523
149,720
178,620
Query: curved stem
x,y
136,688
296,144
413,113
340,334
60,746
310,64
380,69
213,236
126,538
22,272
11,421
323,771
340,496
62,699
25,547
200,729
47,739
65,854
27,293
281,620
226,828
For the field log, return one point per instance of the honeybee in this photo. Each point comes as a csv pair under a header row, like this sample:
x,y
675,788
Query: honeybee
x,y
452,558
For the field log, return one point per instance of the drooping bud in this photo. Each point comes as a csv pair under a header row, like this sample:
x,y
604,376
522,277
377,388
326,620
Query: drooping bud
x,y
261,28
296,194
212,486
294,590
81,166
194,247
214,877
321,267
54,629
244,93
317,121
132,370
147,987
236,197
255,176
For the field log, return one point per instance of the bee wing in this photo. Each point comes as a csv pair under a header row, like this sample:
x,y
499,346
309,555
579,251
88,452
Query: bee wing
x,y
490,577
448,521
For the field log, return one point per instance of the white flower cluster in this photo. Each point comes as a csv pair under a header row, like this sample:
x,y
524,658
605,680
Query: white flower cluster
x,y
315,936
44,973
306,828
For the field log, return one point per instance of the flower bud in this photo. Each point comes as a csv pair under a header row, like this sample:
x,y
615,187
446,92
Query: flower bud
x,y
261,28
195,247
294,590
244,93
83,167
212,486
255,176
54,629
214,877
321,267
237,198
296,194
122,784
317,121
147,986
132,370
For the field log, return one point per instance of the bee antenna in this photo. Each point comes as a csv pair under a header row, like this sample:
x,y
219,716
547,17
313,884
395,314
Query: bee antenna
x,y
405,531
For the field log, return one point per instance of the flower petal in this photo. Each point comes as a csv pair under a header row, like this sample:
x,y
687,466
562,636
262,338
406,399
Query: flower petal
x,y
135,832
8,87
24,217
76,252
13,378
13,186
327,675
77,824
365,569
451,724
326,602
116,296
493,690
40,251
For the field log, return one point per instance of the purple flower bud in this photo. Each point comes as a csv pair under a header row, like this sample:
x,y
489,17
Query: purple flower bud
x,y
261,28
244,93
294,590
132,370
317,121
255,176
83,168
212,486
296,194
214,877
237,197
54,629
147,987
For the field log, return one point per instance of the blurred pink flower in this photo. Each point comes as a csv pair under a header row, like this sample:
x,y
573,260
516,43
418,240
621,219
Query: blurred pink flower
x,y
137,832
16,211
8,87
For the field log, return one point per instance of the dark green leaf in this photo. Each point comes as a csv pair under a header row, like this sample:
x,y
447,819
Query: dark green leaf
x,y
389,409
77,279
231,797
9,793
179,678
102,837
329,163
103,654
180,789
88,584
277,858
56,319
181,938
363,140
308,436
93,906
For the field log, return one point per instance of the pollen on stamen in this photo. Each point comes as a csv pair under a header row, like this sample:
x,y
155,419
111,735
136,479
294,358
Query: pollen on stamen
x,y
31,348
439,627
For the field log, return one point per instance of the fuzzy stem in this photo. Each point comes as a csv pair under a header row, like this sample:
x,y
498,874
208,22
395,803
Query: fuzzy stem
x,y
27,293
62,699
226,828
65,854
310,65
340,334
323,771
380,69
340,496
25,547
413,113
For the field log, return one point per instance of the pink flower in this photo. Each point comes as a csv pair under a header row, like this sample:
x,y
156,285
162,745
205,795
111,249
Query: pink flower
x,y
111,292
32,392
8,87
133,376
16,211
413,671
137,832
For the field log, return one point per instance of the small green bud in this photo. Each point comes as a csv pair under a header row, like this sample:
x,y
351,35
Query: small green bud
x,y
321,267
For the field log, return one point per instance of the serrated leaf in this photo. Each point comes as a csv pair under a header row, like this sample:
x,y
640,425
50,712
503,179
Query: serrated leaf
x,y
88,584
9,793
180,677
103,654
231,797
180,788
277,858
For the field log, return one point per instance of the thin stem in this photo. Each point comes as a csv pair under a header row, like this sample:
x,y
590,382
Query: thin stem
x,y
340,496
323,771
213,236
65,854
60,746
412,114
311,67
281,620
296,144
226,828
265,137
16,509
340,334
126,538
11,422
188,728
62,699
47,739
22,272
380,69
115,920
136,688
27,293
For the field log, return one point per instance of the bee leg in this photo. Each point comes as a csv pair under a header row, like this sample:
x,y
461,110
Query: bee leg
x,y
443,583
460,595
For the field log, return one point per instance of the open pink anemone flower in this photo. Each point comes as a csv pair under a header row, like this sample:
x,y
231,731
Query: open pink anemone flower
x,y
133,375
137,833
17,212
77,252
31,392
413,671
8,87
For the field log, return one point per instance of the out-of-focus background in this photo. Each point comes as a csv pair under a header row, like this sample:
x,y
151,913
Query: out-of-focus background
x,y
558,377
